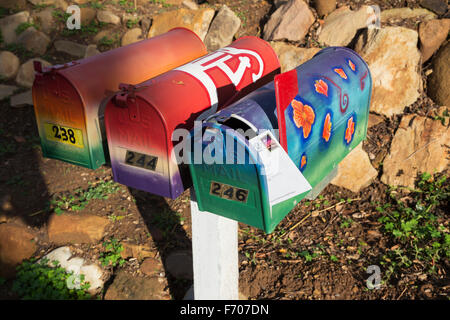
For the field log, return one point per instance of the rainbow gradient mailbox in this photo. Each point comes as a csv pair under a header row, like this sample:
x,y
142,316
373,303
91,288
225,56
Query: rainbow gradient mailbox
x,y
69,99
141,120
265,152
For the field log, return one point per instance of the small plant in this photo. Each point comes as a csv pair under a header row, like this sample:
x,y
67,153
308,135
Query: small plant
x,y
111,256
96,4
24,26
416,226
115,218
131,23
346,223
38,281
308,256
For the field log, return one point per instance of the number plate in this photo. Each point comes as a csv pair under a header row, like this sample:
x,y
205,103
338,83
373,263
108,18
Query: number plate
x,y
67,135
141,160
228,192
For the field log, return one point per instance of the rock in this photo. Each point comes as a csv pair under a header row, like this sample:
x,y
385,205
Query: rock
x,y
139,252
173,2
6,91
45,20
393,60
439,81
324,7
22,99
432,34
406,13
107,17
195,20
25,76
222,29
374,119
348,22
9,65
16,4
92,272
355,172
79,228
34,40
9,24
104,33
419,145
42,2
131,36
87,15
91,50
438,6
290,21
279,3
16,244
291,56
179,264
70,47
190,4
151,266
127,287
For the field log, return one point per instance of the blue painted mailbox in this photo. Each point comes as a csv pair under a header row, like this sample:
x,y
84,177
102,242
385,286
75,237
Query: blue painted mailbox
x,y
288,135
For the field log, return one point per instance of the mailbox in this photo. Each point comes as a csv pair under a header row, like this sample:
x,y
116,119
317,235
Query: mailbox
x,y
312,116
69,99
141,120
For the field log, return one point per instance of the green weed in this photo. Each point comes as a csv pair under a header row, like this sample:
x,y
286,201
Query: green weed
x,y
111,256
38,281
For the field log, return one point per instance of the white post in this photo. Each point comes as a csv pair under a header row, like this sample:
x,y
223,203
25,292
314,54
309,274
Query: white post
x,y
214,255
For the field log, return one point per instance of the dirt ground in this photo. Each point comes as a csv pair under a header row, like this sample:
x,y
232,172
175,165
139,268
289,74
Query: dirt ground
x,y
342,238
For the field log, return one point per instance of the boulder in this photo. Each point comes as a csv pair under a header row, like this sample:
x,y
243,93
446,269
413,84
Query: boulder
x,y
87,15
45,20
419,145
128,287
341,25
190,4
16,244
438,6
355,172
406,13
222,29
290,21
138,251
432,34
76,228
72,48
439,81
393,60
25,76
9,24
291,56
91,50
324,7
179,265
22,99
195,20
131,36
6,91
34,40
107,17
151,266
9,65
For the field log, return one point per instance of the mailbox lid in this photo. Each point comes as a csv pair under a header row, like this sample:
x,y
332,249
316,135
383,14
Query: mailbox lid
x,y
327,116
96,79
60,117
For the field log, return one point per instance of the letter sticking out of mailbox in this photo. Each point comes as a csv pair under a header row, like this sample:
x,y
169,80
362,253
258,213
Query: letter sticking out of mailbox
x,y
69,99
313,115
141,120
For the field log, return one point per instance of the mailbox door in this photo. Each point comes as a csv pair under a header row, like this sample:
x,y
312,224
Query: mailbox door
x,y
137,138
326,115
61,119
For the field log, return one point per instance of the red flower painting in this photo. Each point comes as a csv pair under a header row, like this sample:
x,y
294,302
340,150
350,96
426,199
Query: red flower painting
x,y
341,73
303,117
326,134
303,162
351,65
321,87
350,130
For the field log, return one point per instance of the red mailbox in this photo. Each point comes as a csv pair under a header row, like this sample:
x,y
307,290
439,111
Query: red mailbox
x,y
140,120
69,99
